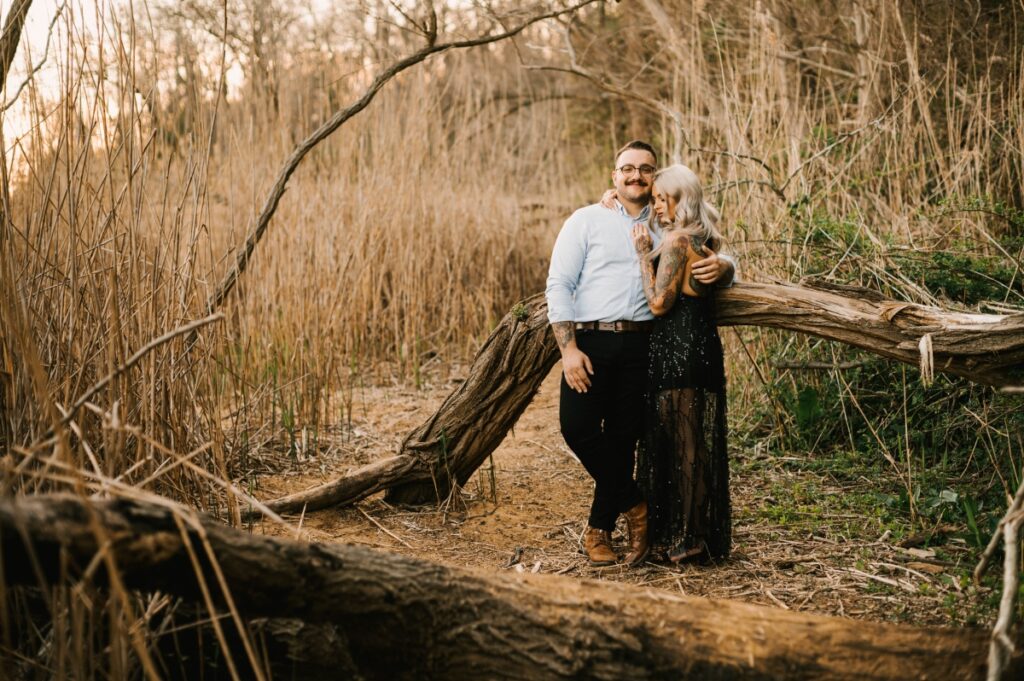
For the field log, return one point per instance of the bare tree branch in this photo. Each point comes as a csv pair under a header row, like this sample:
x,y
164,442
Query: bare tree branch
x,y
35,69
12,36
654,105
338,119
1001,646
132,361
842,138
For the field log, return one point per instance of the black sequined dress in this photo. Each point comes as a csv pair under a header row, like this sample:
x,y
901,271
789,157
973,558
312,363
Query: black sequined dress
x,y
682,466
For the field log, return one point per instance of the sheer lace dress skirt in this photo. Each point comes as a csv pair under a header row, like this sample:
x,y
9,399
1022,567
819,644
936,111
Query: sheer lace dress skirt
x,y
682,466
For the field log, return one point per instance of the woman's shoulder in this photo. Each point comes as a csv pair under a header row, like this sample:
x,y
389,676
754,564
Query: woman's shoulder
x,y
682,241
675,239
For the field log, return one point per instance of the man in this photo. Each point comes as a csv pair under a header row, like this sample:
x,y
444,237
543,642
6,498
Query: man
x,y
601,320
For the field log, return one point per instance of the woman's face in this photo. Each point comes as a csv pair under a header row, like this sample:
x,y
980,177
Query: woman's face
x,y
664,207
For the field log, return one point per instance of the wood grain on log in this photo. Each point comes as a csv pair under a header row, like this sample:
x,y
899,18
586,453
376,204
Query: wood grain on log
x,y
474,419
405,618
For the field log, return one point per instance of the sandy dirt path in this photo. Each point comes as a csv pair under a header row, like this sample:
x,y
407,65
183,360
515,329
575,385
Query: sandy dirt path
x,y
829,559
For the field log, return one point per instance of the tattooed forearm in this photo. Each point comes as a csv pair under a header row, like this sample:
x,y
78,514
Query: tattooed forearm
x,y
565,333
647,278
663,288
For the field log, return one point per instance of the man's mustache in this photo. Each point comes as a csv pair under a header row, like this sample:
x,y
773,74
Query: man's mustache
x,y
637,182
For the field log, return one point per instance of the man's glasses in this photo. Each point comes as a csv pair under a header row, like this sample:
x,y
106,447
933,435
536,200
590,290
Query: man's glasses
x,y
645,170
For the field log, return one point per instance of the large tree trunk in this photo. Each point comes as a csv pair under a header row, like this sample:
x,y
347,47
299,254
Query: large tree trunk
x,y
505,375
403,618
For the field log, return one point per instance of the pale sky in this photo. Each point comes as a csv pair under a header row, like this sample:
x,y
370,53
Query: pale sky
x,y
87,16
32,45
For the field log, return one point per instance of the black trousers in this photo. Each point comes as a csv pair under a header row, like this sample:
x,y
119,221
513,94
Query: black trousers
x,y
602,425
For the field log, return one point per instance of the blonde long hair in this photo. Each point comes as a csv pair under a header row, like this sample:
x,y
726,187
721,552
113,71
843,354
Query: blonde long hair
x,y
695,217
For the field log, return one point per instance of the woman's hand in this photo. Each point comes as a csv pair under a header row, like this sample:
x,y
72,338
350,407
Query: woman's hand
x,y
608,199
641,239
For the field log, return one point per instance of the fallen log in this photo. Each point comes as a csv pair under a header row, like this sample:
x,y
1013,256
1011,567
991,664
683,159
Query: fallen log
x,y
351,487
181,638
984,348
449,446
404,618
475,417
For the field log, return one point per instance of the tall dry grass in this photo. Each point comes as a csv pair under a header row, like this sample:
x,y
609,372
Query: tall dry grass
x,y
406,236
400,243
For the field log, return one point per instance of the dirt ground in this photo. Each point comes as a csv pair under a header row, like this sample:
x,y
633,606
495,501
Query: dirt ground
x,y
798,541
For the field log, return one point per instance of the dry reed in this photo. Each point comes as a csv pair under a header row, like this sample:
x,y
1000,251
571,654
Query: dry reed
x,y
403,239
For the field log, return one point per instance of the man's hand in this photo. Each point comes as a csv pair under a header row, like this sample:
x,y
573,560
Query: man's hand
x,y
575,364
577,368
712,268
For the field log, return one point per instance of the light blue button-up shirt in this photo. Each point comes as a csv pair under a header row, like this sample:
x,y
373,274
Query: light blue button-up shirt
x,y
595,269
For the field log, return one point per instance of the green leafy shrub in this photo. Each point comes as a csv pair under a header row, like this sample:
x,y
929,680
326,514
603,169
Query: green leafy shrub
x,y
958,443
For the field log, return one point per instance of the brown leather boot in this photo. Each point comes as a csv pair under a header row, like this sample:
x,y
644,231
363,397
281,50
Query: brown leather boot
x,y
598,545
636,524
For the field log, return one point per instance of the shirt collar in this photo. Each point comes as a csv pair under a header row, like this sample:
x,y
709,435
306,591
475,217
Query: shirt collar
x,y
644,214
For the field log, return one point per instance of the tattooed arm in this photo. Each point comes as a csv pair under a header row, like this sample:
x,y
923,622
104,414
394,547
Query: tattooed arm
x,y
575,364
565,334
662,286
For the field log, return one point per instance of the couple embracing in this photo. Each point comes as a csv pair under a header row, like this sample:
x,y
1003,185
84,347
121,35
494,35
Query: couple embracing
x,y
629,301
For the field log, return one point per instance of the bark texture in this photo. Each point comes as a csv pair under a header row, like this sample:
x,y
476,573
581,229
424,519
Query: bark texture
x,y
403,618
984,348
287,648
474,419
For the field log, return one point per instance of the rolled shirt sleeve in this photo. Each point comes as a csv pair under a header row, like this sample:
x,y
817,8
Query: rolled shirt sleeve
x,y
735,271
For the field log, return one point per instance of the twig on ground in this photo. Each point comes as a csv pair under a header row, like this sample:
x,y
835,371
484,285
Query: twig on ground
x,y
386,530
1001,646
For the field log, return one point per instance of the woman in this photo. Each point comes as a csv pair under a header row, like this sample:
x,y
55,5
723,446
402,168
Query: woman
x,y
682,466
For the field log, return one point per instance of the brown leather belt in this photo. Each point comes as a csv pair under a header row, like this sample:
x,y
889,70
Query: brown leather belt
x,y
620,326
